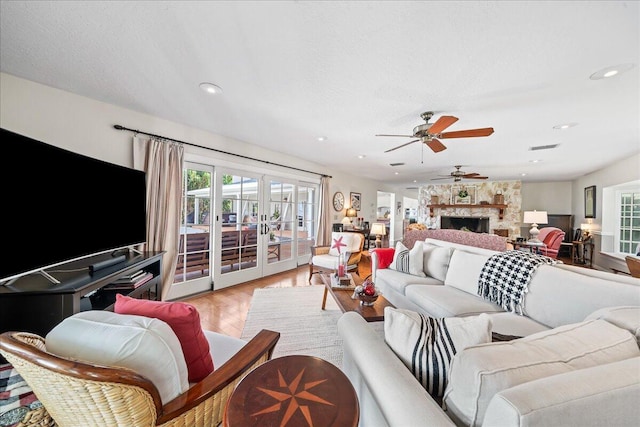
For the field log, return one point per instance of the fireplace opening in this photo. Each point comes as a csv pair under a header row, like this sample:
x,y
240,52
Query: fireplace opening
x,y
475,224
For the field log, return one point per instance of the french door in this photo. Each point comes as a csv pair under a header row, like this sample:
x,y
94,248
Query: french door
x,y
259,225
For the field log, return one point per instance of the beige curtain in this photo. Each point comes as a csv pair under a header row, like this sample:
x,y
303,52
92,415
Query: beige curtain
x,y
162,161
323,234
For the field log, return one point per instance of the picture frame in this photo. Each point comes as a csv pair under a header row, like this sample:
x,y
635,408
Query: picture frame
x,y
356,200
590,202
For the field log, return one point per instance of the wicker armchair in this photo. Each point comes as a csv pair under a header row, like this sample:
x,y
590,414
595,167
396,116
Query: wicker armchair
x,y
80,394
323,260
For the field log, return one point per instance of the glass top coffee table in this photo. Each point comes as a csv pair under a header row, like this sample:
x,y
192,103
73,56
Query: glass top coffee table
x,y
374,313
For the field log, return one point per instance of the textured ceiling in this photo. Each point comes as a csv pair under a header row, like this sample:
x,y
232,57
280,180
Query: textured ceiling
x,y
292,71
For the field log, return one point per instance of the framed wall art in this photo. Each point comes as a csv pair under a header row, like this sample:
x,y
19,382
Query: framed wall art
x,y
590,202
356,201
463,195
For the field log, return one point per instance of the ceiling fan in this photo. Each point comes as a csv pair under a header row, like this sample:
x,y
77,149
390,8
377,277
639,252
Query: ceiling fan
x,y
428,133
458,175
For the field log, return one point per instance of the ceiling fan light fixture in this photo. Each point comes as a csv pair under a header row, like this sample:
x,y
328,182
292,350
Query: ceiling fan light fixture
x,y
210,88
614,70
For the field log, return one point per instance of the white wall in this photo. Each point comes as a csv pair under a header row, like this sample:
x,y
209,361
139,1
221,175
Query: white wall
x,y
85,126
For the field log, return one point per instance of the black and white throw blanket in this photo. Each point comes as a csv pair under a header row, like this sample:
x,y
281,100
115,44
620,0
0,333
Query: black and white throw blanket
x,y
505,278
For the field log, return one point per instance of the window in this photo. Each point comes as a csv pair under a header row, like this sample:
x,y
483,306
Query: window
x,y
629,221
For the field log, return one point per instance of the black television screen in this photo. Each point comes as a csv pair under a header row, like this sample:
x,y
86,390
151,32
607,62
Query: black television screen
x,y
60,206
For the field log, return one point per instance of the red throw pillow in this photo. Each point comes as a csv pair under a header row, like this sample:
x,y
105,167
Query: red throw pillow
x,y
184,319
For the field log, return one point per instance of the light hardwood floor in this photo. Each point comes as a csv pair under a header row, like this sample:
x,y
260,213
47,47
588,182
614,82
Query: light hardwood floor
x,y
226,310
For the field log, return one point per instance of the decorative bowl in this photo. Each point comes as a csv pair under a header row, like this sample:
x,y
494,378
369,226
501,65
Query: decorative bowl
x,y
367,300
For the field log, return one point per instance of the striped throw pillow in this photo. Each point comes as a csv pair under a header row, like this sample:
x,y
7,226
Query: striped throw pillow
x,y
408,261
426,344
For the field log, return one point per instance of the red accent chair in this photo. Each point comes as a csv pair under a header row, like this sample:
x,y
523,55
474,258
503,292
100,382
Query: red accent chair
x,y
552,242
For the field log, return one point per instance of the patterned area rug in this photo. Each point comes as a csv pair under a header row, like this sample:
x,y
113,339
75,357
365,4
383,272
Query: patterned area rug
x,y
304,327
19,407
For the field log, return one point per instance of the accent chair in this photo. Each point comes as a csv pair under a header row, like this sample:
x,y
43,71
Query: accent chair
x,y
326,258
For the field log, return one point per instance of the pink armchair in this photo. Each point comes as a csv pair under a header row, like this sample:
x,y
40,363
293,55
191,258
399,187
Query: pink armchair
x,y
552,242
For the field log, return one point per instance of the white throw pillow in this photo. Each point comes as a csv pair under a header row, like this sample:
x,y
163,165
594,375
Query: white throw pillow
x,y
436,260
147,346
479,372
464,270
341,243
426,344
408,261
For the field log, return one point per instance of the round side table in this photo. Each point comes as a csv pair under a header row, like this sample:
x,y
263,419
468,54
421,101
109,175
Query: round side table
x,y
293,391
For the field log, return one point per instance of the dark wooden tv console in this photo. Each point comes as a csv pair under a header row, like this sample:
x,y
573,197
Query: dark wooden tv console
x,y
34,304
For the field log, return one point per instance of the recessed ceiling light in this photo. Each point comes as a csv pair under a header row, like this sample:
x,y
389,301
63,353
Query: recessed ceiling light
x,y
361,156
611,71
535,161
415,180
397,173
322,138
523,174
210,88
565,126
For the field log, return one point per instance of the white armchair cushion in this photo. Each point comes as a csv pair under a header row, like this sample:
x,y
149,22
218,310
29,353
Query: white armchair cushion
x,y
222,347
145,345
479,372
627,317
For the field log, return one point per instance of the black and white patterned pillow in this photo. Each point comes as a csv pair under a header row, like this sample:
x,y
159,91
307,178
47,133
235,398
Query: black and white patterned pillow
x,y
408,261
426,344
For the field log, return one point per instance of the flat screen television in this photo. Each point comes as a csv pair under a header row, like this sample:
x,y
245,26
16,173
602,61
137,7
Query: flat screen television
x,y
59,206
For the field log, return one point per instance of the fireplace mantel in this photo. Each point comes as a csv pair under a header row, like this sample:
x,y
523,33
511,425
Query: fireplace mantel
x,y
500,208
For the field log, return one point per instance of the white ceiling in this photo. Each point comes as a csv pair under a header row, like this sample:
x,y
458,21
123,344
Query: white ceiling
x,y
292,71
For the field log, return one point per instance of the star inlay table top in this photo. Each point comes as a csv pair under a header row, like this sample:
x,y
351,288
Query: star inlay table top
x,y
293,391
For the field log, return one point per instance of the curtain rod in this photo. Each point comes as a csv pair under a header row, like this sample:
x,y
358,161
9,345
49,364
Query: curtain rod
x,y
119,127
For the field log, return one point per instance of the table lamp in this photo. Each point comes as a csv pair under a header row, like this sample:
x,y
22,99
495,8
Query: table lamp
x,y
351,213
534,218
379,229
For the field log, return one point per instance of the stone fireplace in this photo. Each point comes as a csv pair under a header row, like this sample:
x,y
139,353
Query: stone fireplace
x,y
475,224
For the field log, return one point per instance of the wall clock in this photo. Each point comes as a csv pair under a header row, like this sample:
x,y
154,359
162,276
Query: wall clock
x,y
338,201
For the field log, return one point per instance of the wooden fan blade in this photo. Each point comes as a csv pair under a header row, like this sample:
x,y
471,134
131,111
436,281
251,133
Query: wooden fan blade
x,y
475,177
407,136
436,145
469,175
467,133
446,177
400,146
441,124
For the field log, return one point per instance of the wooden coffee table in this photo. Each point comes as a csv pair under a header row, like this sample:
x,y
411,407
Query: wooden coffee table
x,y
293,391
374,313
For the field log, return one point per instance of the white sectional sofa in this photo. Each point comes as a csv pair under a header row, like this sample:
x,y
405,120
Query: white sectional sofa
x,y
578,363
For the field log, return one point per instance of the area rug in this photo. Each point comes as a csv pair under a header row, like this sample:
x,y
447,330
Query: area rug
x,y
304,327
18,405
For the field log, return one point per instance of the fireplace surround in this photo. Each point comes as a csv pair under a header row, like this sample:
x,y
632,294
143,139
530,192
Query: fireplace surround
x,y
476,224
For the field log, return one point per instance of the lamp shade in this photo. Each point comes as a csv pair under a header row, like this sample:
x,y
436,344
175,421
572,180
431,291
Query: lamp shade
x,y
535,217
378,229
352,213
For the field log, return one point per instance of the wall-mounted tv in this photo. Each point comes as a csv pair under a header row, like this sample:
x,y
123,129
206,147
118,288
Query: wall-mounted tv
x,y
60,206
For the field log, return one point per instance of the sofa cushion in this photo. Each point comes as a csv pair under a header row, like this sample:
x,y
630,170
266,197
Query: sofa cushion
x,y
508,323
435,260
447,301
145,345
408,261
184,320
602,395
398,281
426,344
479,372
627,317
464,271
552,287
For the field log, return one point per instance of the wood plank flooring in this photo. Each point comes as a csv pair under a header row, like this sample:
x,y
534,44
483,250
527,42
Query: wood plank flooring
x,y
225,310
